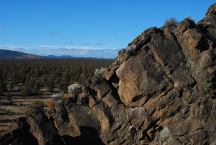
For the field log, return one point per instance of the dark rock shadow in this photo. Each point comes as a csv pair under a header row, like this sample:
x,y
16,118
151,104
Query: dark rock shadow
x,y
89,136
18,137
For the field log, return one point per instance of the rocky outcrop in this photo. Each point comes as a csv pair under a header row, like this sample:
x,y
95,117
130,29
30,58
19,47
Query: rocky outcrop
x,y
159,91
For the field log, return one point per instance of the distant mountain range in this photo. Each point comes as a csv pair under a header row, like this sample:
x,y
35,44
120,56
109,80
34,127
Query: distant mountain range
x,y
10,54
60,56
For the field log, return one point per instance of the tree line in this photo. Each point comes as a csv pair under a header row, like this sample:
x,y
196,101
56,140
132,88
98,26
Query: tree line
x,y
41,76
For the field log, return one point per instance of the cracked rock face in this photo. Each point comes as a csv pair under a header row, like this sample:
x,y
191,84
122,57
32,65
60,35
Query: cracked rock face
x,y
159,91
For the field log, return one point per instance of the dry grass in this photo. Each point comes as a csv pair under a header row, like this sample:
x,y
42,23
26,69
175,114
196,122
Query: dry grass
x,y
17,108
66,97
50,104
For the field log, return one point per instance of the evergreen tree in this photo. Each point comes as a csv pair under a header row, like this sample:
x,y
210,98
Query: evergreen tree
x,y
26,90
34,85
10,87
3,87
50,84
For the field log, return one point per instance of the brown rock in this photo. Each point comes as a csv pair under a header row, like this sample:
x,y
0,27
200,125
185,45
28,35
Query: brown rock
x,y
160,90
211,10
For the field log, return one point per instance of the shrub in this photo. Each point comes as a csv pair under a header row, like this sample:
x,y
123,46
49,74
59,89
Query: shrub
x,y
38,103
26,90
121,51
50,104
66,97
36,106
131,50
100,72
207,82
171,23
74,89
3,87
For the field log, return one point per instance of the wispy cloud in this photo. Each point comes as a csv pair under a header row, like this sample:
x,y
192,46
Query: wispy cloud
x,y
72,50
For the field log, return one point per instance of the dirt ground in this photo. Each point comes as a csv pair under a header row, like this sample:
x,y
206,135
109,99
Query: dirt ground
x,y
13,107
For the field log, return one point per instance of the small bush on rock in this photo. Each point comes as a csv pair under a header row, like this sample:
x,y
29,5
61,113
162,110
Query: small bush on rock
x,y
99,73
171,23
74,89
207,82
131,50
50,104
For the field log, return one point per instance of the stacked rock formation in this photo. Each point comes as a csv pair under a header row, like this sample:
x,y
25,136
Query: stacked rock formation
x,y
159,91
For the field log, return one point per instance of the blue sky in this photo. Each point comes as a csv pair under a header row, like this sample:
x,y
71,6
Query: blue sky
x,y
88,28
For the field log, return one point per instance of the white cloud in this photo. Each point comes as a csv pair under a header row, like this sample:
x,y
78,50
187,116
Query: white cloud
x,y
72,47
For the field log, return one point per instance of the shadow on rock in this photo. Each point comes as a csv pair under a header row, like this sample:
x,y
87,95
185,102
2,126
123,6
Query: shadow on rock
x,y
88,136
